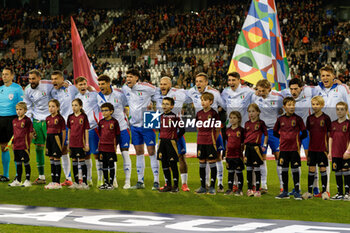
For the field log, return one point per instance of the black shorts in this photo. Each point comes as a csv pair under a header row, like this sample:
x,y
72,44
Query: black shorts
x,y
207,152
21,156
167,151
339,163
317,157
77,153
254,155
234,164
107,156
292,157
54,145
6,128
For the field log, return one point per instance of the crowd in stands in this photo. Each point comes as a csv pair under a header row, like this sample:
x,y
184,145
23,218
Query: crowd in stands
x,y
131,31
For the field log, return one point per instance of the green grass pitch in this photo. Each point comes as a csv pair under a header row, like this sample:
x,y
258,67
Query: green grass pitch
x,y
266,207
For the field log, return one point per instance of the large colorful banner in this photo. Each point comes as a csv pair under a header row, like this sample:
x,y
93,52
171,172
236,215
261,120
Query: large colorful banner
x,y
81,63
259,52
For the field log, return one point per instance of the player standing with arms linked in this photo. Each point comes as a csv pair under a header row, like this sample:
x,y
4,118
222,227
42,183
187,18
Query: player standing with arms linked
x,y
139,96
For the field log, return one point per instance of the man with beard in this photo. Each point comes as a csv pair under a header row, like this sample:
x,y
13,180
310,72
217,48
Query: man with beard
x,y
10,94
179,96
37,95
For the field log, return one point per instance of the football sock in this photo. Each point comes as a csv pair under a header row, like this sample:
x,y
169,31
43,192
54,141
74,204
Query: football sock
x,y
19,171
99,170
240,178
140,167
328,176
40,159
257,178
28,170
53,169
315,184
235,179
111,172
105,171
84,171
263,171
220,172
207,174
310,181
296,179
324,181
202,171
80,173
279,174
346,175
115,170
285,178
339,180
167,176
66,166
58,170
175,171
75,171
213,174
184,178
5,158
155,167
127,165
231,174
88,163
250,177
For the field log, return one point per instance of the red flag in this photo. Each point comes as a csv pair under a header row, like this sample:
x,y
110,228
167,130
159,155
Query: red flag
x,y
81,63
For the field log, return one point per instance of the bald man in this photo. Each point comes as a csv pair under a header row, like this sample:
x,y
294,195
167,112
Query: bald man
x,y
179,96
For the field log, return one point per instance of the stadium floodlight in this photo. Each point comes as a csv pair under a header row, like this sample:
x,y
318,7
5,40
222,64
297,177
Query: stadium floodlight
x,y
39,12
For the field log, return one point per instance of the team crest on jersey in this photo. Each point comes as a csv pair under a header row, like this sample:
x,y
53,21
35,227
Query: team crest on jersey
x,y
111,126
81,121
273,102
43,93
56,121
229,135
242,97
209,117
115,100
22,125
345,128
11,96
139,93
322,123
238,134
293,123
282,124
257,126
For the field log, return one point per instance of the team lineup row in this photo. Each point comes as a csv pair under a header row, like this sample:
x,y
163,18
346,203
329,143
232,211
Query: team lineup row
x,y
138,97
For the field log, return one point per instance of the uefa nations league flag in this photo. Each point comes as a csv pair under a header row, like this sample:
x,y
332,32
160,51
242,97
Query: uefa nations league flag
x,y
259,52
81,63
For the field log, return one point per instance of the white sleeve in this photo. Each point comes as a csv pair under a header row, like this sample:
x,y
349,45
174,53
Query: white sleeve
x,y
188,99
346,94
219,99
28,103
224,96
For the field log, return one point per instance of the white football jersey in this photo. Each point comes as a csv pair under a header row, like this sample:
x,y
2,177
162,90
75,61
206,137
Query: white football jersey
x,y
195,96
179,96
138,98
90,106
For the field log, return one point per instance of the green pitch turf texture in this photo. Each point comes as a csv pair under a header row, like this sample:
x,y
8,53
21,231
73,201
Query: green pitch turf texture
x,y
266,207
